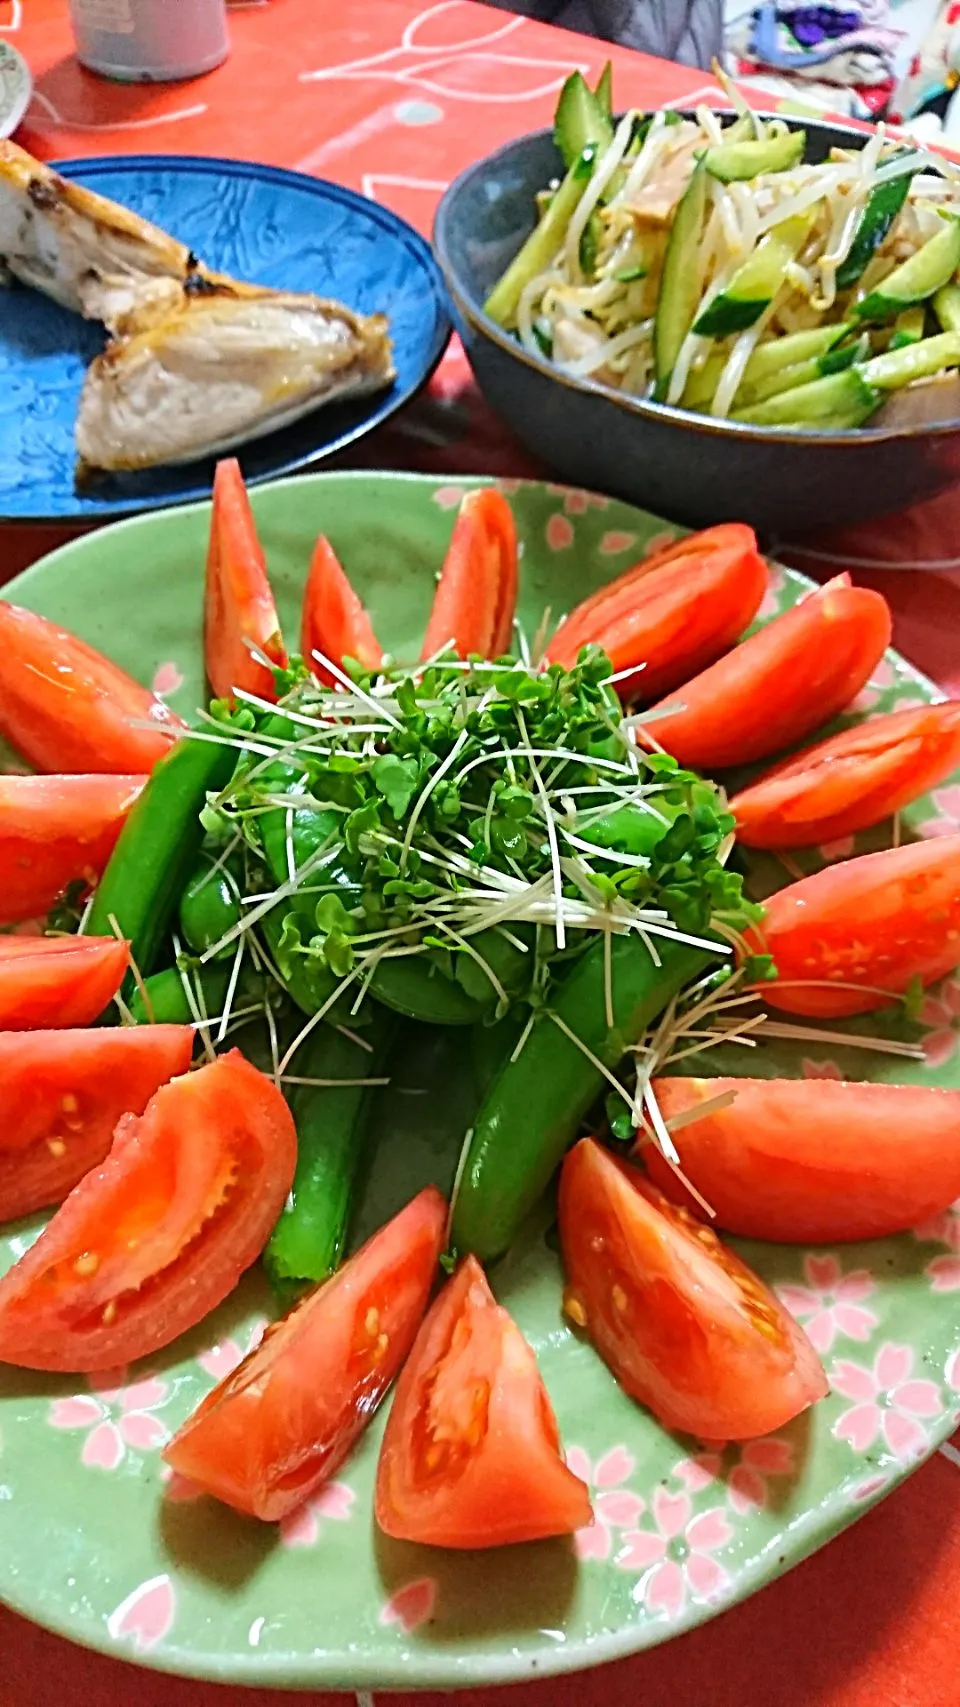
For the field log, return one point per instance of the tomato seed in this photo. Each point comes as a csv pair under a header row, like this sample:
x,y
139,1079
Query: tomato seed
x,y
88,1263
620,1299
57,1147
109,1314
372,1323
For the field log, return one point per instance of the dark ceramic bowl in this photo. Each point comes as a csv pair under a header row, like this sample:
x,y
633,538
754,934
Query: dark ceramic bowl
x,y
687,467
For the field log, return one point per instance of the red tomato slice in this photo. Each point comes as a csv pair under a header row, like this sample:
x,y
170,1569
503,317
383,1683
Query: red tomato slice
x,y
877,922
64,1092
278,1427
239,611
477,592
685,1326
67,708
814,1161
54,831
471,1456
148,1244
672,614
783,681
58,981
852,781
334,621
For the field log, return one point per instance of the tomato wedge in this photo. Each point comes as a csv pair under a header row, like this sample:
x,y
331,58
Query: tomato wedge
x,y
64,1092
813,1161
770,691
672,614
148,1244
868,926
686,1327
67,708
279,1426
851,781
54,831
58,981
334,621
239,612
477,592
471,1456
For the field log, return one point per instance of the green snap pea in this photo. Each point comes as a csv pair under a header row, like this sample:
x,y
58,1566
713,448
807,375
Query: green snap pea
x,y
534,1107
157,849
210,907
164,1001
307,1243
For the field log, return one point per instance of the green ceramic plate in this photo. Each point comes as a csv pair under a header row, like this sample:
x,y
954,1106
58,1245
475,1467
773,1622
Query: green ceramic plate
x,y
95,1543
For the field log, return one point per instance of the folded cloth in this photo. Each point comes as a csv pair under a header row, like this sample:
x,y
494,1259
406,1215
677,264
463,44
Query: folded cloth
x,y
934,70
690,32
845,42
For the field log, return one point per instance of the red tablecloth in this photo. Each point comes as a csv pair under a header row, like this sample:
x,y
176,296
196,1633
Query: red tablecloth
x,y
393,98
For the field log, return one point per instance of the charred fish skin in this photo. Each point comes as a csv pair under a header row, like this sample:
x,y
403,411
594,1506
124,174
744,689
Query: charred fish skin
x,y
73,244
228,364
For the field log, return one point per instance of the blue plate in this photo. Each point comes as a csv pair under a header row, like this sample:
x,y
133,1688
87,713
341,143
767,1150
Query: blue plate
x,y
263,225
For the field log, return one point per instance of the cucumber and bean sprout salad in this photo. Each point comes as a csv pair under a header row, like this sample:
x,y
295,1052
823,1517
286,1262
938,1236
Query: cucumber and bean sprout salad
x,y
712,267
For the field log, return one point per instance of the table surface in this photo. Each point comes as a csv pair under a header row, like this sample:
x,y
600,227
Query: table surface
x,y
393,98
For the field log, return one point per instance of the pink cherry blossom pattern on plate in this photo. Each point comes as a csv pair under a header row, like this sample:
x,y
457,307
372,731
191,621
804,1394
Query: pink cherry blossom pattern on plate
x,y
674,1558
614,1506
831,1302
772,601
868,1490
820,1069
947,820
114,1419
842,848
939,1013
883,679
559,532
411,1605
943,1271
615,541
167,678
146,1616
222,1358
302,1527
745,1474
888,1403
449,497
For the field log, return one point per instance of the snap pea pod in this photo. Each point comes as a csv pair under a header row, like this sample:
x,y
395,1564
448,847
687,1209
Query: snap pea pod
x,y
157,849
307,1242
210,907
535,1105
164,1001
416,986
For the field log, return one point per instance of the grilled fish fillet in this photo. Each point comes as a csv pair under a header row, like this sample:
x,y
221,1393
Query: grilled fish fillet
x,y
86,252
205,366
199,362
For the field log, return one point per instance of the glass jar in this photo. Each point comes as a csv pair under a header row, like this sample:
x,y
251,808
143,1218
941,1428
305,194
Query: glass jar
x,y
150,41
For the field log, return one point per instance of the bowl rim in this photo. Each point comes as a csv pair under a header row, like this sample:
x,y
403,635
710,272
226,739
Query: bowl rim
x,y
643,407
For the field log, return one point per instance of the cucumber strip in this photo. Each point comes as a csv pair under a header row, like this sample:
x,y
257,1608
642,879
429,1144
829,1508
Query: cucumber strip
x,y
580,120
603,93
540,247
755,284
793,347
946,307
913,361
883,204
846,394
916,279
735,162
680,280
908,326
802,373
702,382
